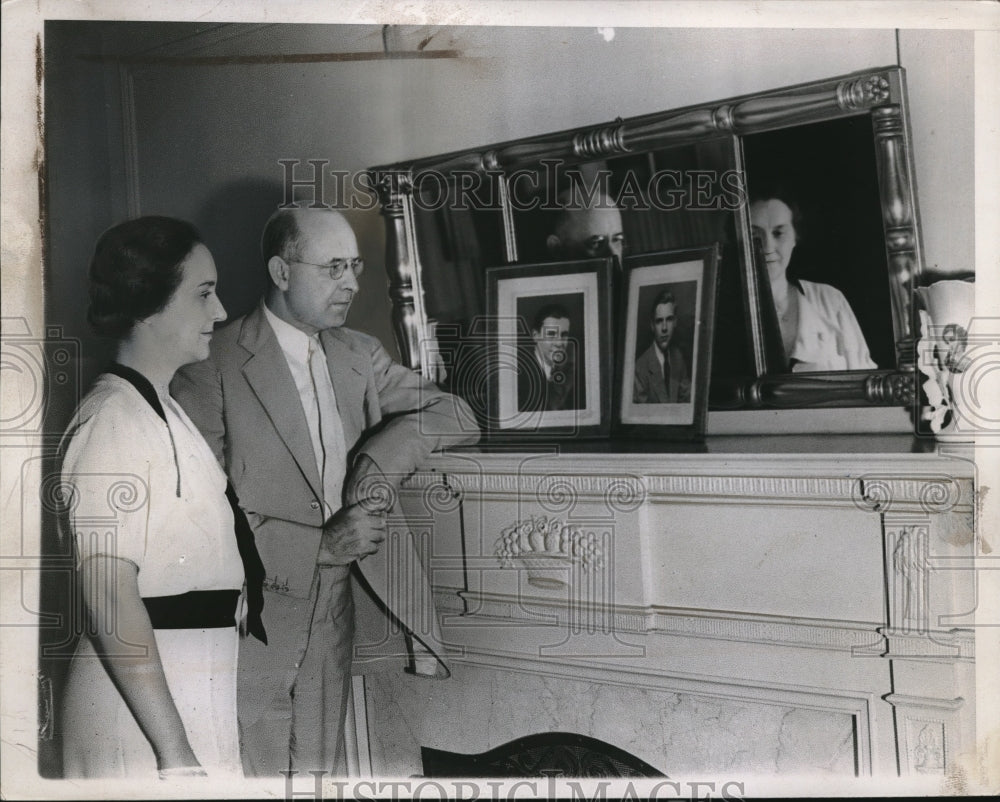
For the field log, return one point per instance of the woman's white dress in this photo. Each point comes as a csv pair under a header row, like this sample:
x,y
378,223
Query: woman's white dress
x,y
828,337
121,472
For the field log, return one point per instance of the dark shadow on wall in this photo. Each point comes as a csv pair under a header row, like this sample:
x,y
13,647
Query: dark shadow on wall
x,y
231,222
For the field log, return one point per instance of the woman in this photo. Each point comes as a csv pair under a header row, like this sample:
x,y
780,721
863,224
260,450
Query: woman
x,y
818,328
153,687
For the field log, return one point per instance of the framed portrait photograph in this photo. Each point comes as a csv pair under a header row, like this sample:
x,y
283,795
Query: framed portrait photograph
x,y
668,311
550,349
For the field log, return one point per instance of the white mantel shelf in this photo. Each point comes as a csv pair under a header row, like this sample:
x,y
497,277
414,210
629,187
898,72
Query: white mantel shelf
x,y
876,482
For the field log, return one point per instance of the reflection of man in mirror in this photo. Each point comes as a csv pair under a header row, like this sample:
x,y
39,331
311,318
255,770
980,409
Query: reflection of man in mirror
x,y
661,374
546,370
586,228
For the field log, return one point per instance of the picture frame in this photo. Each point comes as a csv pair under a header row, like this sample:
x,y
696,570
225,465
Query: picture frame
x,y
665,343
549,350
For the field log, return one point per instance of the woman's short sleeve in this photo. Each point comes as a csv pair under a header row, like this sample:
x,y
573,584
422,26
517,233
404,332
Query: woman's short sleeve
x,y
108,472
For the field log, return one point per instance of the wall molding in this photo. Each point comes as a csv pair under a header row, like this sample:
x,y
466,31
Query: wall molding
x,y
840,636
949,645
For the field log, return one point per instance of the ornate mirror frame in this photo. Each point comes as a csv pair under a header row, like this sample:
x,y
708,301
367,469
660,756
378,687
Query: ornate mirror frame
x,y
878,94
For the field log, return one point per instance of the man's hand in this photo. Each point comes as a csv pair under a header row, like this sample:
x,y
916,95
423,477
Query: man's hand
x,y
351,534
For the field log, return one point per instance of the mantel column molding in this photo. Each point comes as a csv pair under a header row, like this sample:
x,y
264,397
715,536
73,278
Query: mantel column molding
x,y
927,558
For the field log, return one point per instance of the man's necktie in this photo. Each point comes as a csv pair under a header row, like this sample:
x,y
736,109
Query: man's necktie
x,y
666,373
332,459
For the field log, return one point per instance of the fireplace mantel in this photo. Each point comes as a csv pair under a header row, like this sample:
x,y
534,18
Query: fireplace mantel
x,y
759,613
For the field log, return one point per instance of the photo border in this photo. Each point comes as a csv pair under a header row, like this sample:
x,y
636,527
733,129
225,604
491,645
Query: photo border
x,y
506,334
675,266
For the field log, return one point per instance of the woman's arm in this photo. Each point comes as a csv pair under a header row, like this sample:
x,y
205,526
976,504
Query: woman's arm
x,y
123,637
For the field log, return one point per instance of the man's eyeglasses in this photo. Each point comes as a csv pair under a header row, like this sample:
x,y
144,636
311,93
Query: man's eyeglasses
x,y
336,269
602,245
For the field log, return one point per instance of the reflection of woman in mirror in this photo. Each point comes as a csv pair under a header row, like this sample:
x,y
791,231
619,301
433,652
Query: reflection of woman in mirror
x,y
818,329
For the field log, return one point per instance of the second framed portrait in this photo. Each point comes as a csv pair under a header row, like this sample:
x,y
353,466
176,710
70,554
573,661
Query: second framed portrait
x,y
668,313
550,349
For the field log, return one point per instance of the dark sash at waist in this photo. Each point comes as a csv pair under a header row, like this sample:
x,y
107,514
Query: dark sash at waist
x,y
196,609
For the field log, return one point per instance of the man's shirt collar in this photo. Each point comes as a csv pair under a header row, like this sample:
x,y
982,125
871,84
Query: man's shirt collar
x,y
294,342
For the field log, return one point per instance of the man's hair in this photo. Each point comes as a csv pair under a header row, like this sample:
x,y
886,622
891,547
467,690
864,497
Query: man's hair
x,y
573,200
549,310
664,297
135,270
281,235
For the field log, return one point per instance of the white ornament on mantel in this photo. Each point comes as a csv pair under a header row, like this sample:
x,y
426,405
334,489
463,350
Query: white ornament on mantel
x,y
941,353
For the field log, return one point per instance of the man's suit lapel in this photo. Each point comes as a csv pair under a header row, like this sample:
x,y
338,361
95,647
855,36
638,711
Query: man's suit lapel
x,y
654,377
269,376
348,375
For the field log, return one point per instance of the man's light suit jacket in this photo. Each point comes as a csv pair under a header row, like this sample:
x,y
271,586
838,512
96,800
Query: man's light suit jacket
x,y
244,401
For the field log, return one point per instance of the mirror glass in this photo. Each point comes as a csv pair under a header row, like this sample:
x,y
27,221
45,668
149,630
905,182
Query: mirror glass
x,y
685,196
459,232
824,259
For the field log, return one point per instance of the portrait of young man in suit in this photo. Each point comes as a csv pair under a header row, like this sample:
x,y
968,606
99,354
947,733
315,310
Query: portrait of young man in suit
x,y
315,425
548,371
661,371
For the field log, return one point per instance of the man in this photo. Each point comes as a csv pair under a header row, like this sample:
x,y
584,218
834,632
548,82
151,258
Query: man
x,y
585,230
547,375
314,424
661,374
